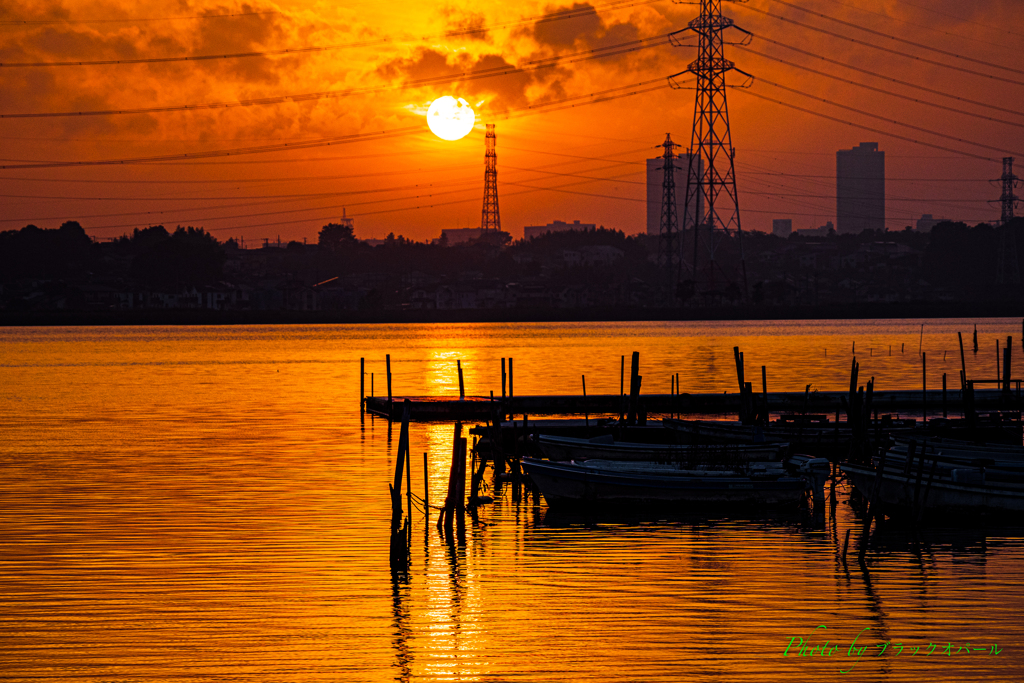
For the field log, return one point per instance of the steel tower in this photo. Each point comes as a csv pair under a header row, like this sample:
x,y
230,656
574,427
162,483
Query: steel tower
x,y
670,252
711,143
490,219
1007,268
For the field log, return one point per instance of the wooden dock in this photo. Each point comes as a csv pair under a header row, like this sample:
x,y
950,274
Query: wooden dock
x,y
449,408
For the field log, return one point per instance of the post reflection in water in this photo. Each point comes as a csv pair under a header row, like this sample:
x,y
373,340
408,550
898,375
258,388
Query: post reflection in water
x,y
206,503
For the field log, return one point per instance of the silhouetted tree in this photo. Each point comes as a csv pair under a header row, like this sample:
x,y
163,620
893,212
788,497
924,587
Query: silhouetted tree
x,y
334,236
190,256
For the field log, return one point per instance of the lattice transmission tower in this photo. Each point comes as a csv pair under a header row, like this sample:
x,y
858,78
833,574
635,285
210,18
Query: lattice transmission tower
x,y
712,173
490,219
669,253
1008,267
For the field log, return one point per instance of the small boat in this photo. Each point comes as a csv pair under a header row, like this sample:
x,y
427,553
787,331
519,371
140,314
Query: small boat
x,y
944,488
561,448
648,483
815,433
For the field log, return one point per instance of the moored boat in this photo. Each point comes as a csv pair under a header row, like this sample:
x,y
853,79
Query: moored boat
x,y
559,448
600,482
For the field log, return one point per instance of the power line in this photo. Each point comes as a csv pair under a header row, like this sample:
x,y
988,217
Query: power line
x,y
900,40
890,78
554,16
882,118
861,126
534,65
135,20
882,90
326,142
884,49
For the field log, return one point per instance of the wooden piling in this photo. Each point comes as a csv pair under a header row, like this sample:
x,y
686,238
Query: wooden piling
x,y
764,392
396,489
1007,355
924,388
622,387
447,517
634,388
975,337
503,378
390,400
511,387
945,413
963,362
371,385
462,386
362,383
999,373
586,413
426,487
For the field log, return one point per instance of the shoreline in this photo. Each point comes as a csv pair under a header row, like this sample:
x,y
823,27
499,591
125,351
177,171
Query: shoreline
x,y
902,310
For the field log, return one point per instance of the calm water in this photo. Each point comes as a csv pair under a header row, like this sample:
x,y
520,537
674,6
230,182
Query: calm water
x,y
205,504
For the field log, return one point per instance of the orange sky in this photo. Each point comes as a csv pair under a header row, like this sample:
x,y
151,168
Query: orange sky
x,y
555,162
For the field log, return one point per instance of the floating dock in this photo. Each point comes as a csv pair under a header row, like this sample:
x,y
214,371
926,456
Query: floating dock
x,y
445,408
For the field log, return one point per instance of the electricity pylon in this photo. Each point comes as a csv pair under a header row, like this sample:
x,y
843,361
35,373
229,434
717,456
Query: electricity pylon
x,y
669,247
490,218
1008,267
712,173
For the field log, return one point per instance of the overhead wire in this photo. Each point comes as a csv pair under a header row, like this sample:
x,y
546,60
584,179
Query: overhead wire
x,y
133,20
456,77
571,13
602,96
884,49
894,121
912,43
880,90
908,84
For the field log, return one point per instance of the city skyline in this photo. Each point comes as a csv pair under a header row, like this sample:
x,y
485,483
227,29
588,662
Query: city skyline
x,y
560,155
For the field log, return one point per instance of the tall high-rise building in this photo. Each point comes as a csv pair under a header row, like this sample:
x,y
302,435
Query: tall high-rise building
x,y
782,227
860,189
655,194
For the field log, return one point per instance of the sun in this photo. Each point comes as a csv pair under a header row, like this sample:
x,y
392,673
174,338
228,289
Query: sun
x,y
450,118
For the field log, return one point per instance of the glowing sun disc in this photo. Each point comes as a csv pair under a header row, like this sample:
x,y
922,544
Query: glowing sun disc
x,y
450,118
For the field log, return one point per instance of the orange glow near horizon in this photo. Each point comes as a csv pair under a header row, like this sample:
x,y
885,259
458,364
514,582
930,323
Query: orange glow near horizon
x,y
560,156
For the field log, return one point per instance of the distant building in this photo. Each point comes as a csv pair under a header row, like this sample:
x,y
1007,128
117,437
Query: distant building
x,y
782,227
656,192
452,236
531,231
926,222
860,189
820,231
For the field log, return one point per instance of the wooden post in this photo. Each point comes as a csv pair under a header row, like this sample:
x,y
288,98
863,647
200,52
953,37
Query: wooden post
x,y
503,378
362,383
999,374
945,414
426,487
462,386
447,516
764,392
975,337
511,387
634,388
924,389
622,388
408,470
390,400
371,385
920,343
586,414
396,489
1007,356
963,363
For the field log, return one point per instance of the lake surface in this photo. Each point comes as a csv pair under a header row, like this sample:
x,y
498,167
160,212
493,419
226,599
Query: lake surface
x,y
207,504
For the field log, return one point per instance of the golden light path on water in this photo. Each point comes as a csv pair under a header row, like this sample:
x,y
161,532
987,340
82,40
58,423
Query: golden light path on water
x,y
206,504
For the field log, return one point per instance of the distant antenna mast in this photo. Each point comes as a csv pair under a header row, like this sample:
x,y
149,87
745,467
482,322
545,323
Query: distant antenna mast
x,y
712,174
669,255
491,219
